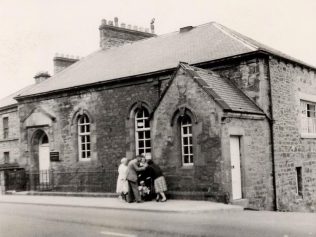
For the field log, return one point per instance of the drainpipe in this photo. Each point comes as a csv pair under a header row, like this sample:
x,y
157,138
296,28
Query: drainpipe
x,y
271,122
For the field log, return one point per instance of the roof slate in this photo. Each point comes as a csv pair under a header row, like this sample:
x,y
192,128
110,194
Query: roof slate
x,y
223,90
203,43
9,100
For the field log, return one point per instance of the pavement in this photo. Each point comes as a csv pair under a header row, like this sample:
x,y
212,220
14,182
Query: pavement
x,y
184,206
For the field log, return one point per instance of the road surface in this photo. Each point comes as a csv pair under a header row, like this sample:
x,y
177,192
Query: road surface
x,y
25,220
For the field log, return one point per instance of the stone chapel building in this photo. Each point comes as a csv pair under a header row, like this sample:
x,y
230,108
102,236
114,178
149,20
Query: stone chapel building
x,y
226,118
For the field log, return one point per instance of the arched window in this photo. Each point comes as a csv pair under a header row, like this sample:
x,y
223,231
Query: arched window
x,y
142,131
84,137
186,140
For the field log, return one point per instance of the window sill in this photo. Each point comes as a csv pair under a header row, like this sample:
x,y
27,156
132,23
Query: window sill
x,y
9,139
308,135
84,160
191,166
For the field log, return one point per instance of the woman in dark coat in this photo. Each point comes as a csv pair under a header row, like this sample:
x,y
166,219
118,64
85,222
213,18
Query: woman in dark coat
x,y
159,180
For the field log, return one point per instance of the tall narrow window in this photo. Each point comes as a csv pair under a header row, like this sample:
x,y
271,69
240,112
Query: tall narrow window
x,y
84,137
186,140
299,184
142,132
6,157
5,127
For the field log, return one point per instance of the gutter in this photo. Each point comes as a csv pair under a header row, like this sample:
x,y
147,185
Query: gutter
x,y
271,123
8,107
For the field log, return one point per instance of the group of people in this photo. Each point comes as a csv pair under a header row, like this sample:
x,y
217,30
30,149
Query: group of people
x,y
140,180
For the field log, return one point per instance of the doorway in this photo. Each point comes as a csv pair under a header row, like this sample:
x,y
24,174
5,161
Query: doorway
x,y
235,167
43,158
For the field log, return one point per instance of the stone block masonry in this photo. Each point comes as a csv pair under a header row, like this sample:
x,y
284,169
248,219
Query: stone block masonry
x,y
292,149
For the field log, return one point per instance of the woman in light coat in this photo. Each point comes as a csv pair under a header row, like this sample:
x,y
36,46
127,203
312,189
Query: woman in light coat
x,y
122,184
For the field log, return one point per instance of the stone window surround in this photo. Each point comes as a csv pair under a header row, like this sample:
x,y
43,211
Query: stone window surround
x,y
143,130
308,98
5,134
6,157
74,132
186,134
175,120
84,137
130,125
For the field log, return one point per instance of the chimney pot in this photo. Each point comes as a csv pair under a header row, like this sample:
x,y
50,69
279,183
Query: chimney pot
x,y
152,26
103,22
63,61
186,29
116,36
116,21
41,76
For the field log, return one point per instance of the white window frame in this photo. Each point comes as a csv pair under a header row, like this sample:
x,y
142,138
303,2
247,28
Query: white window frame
x,y
307,124
140,127
84,137
308,118
186,134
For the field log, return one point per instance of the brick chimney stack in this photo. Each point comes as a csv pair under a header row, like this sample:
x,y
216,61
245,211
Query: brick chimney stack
x,y
113,35
63,61
41,76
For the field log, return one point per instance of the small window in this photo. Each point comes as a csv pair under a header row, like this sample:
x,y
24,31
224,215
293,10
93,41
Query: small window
x,y
84,140
142,132
299,184
6,156
186,140
5,127
308,117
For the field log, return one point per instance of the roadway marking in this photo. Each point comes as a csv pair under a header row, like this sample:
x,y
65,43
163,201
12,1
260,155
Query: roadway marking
x,y
117,234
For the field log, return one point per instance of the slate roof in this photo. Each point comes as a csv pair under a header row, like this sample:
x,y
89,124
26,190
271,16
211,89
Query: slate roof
x,y
203,43
9,100
222,90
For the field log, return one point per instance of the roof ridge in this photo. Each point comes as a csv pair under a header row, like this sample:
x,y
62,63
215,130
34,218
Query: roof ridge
x,y
230,33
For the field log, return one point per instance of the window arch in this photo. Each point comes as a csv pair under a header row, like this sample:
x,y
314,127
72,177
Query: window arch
x,y
142,131
186,140
84,137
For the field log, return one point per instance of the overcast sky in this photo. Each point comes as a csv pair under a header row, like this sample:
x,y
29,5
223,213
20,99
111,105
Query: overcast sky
x,y
32,31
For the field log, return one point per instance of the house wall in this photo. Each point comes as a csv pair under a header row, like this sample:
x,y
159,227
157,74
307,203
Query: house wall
x,y
210,176
291,149
111,135
11,143
256,158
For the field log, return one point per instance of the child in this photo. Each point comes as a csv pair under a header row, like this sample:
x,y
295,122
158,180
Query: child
x,y
144,191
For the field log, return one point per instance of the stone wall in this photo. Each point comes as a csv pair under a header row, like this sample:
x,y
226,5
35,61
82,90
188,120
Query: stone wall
x,y
11,143
109,110
292,149
256,158
251,76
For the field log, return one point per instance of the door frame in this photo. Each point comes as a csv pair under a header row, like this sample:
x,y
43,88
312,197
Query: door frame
x,y
240,139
